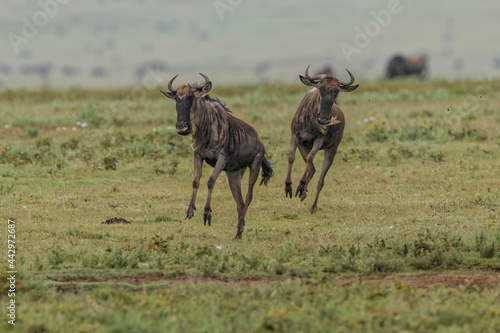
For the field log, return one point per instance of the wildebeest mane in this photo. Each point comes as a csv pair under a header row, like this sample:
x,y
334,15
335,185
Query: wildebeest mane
x,y
216,123
216,100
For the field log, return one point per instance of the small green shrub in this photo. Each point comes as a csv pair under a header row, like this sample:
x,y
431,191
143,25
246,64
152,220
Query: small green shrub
x,y
117,259
32,133
56,258
90,114
110,162
6,188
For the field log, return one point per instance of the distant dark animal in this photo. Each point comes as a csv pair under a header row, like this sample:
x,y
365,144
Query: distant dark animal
x,y
496,62
406,66
317,125
223,141
69,70
151,68
99,71
42,70
5,69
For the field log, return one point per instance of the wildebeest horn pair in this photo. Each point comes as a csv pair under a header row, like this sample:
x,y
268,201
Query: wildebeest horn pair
x,y
322,76
192,85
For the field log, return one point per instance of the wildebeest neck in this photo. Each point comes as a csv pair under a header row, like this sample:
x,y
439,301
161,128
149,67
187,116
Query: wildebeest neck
x,y
209,122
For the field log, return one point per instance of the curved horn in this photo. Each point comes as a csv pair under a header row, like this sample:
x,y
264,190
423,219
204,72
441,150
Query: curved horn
x,y
170,84
314,78
198,86
306,74
350,82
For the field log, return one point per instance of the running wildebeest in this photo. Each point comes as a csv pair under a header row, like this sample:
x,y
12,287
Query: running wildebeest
x,y
223,141
405,66
317,125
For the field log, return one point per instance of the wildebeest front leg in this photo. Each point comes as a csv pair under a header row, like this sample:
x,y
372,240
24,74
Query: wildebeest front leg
x,y
198,165
327,163
310,170
219,166
291,159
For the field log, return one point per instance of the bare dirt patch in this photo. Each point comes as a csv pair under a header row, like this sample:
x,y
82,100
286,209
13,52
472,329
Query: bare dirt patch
x,y
481,280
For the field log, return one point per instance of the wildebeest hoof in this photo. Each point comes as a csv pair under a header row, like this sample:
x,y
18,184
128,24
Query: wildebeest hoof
x,y
314,209
239,233
288,190
301,192
190,213
207,217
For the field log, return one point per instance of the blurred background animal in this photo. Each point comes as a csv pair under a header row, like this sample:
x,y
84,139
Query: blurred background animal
x,y
406,66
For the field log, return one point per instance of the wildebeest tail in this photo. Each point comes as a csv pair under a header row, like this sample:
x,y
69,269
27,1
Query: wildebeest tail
x,y
267,171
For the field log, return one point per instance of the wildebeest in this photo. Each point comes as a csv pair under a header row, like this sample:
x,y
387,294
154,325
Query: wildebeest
x,y
317,125
404,66
223,141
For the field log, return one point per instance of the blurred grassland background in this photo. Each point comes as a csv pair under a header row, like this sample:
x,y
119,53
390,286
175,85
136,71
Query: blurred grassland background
x,y
142,43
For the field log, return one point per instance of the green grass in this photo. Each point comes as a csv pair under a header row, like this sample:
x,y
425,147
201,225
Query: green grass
x,y
312,305
413,190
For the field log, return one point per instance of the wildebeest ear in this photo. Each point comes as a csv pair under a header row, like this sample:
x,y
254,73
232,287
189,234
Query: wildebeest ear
x,y
206,88
306,81
169,94
348,88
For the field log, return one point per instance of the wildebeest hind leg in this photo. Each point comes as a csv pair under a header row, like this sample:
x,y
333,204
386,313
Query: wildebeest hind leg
x,y
234,180
327,163
252,179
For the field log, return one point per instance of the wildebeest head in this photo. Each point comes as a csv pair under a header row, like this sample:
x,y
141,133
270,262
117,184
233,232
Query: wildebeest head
x,y
185,96
329,88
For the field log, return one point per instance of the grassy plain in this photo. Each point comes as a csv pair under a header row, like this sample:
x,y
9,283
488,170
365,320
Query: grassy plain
x,y
414,191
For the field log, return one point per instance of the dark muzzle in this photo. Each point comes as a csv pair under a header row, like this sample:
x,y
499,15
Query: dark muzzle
x,y
324,120
183,128
325,111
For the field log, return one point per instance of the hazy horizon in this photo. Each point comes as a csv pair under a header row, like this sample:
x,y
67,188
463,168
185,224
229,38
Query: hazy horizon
x,y
142,43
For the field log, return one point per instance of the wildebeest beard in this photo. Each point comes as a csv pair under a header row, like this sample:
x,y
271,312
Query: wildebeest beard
x,y
183,107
